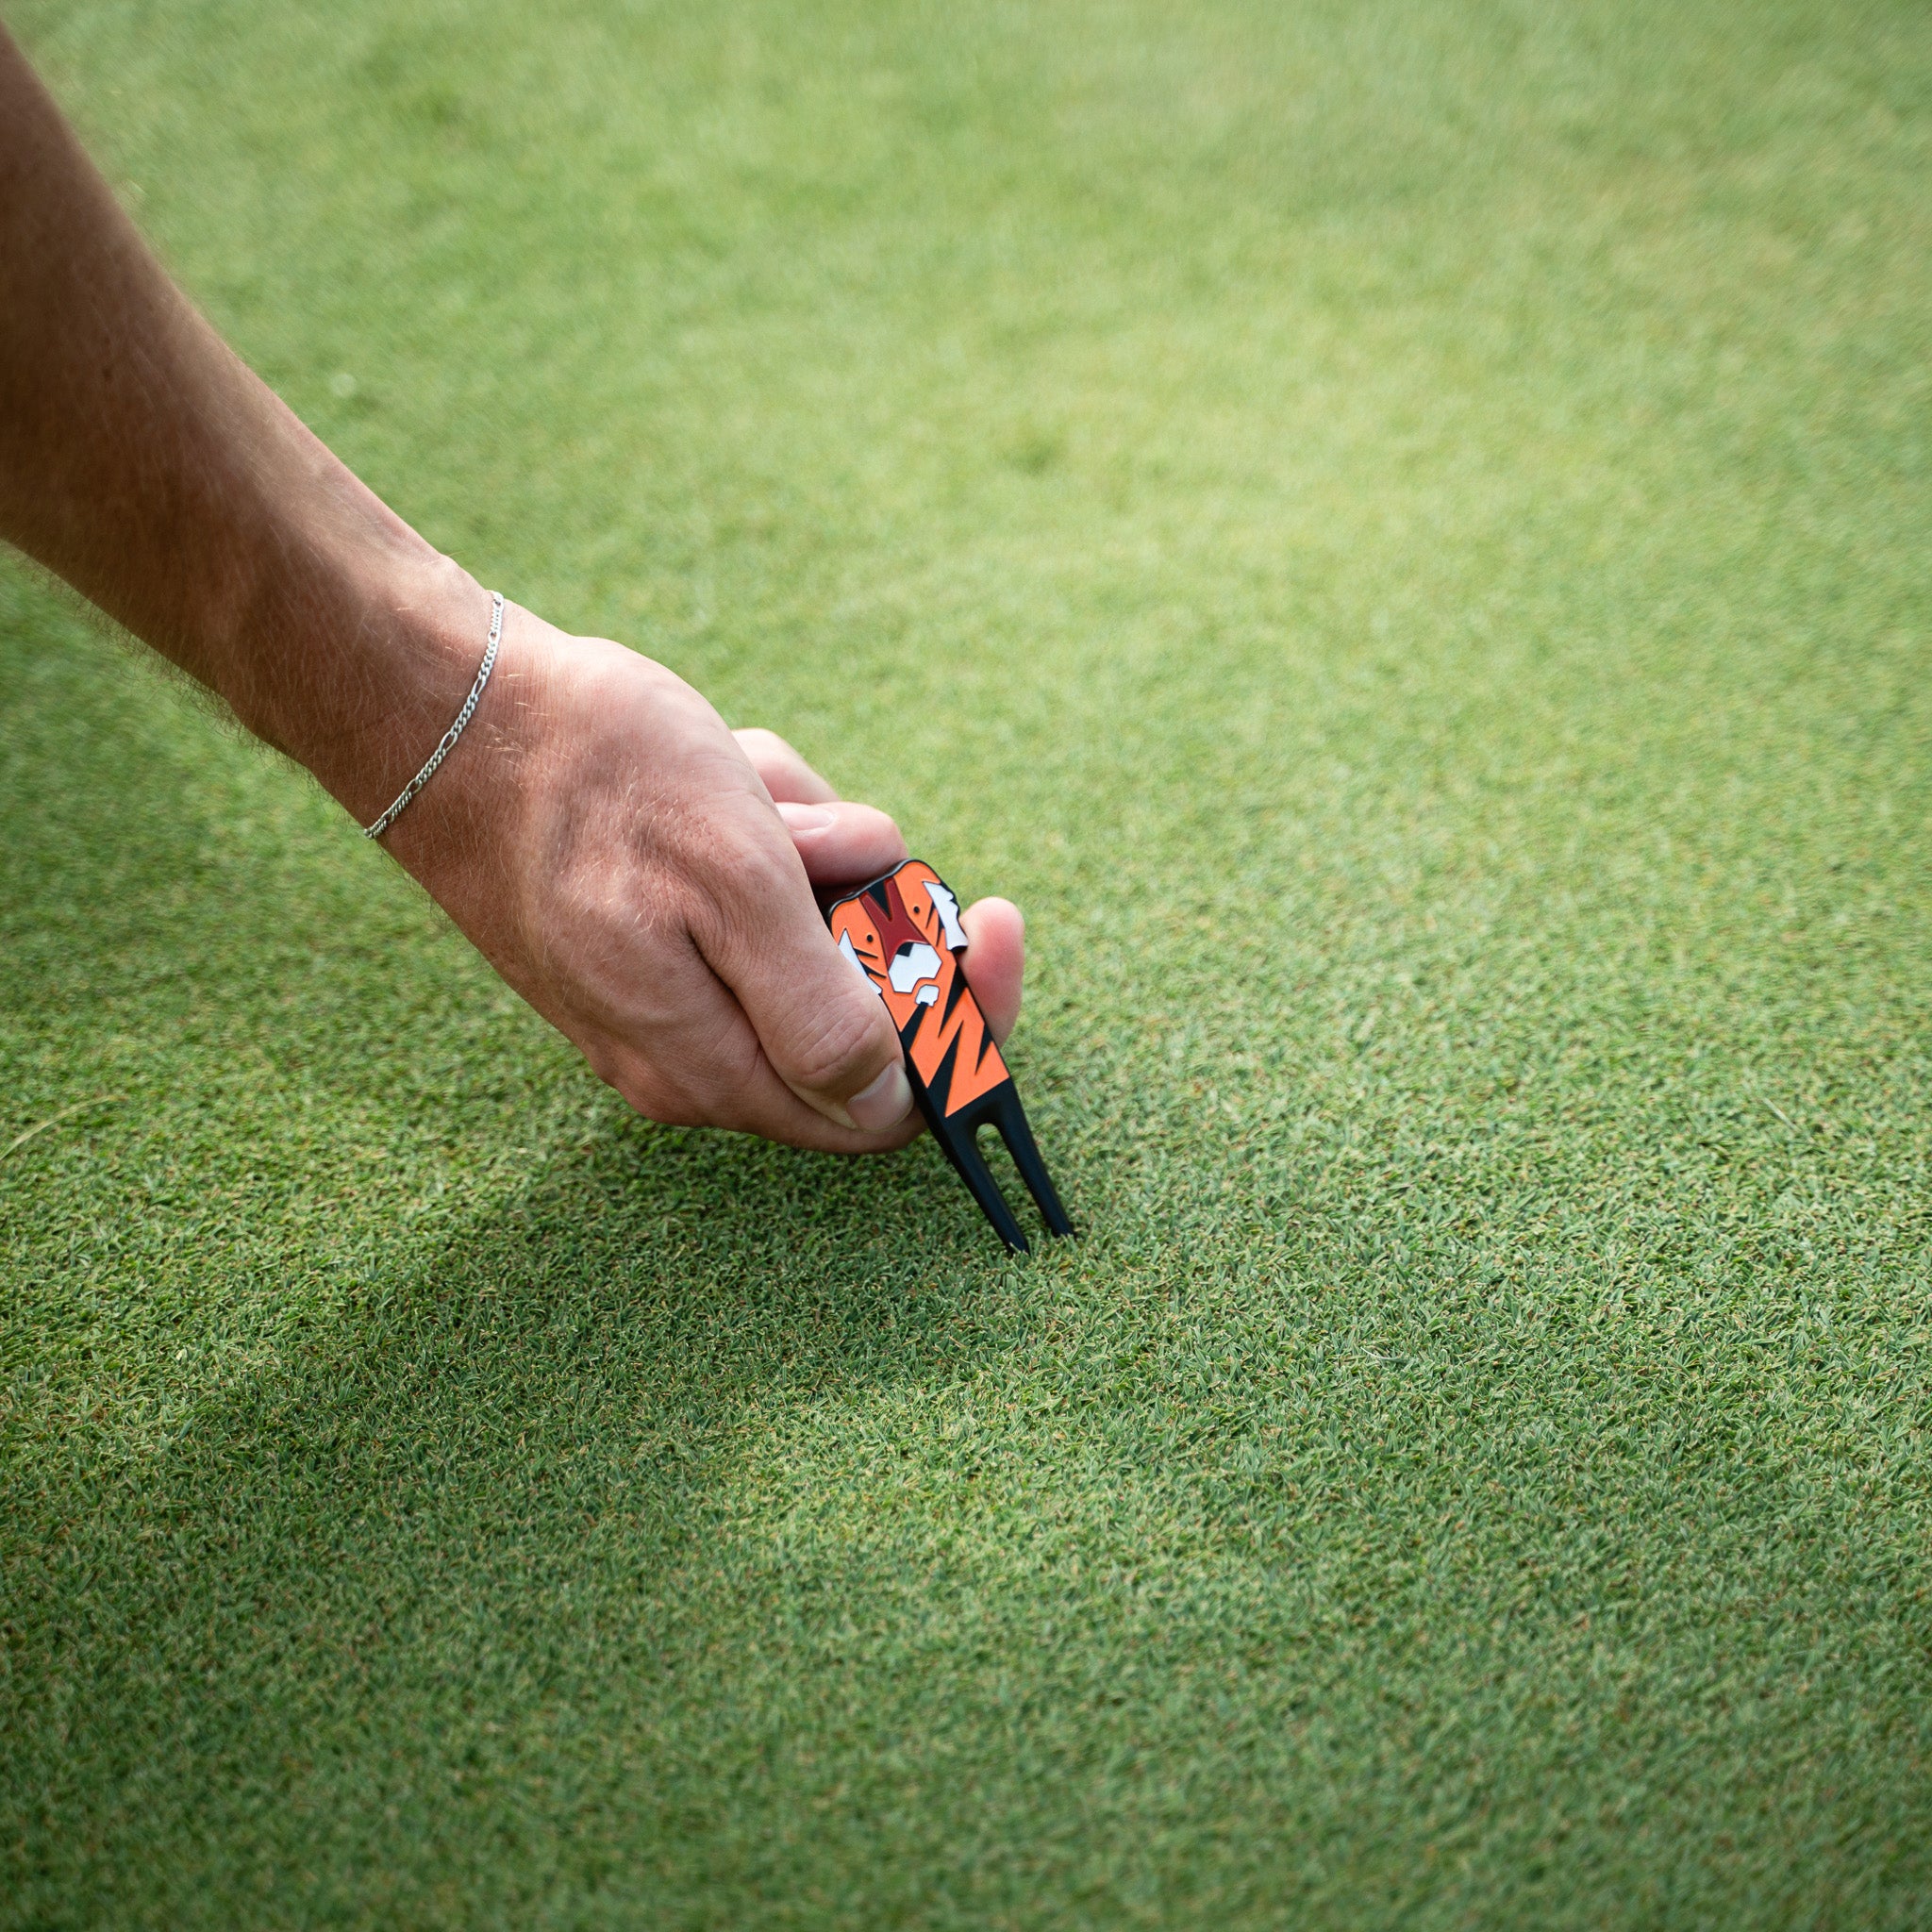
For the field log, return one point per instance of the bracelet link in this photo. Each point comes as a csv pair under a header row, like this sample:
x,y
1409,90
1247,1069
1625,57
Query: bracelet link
x,y
454,731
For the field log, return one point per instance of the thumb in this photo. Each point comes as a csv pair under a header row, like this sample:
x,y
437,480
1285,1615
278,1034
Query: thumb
x,y
824,1028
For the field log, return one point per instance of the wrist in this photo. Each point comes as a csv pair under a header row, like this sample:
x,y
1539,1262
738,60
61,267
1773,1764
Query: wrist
x,y
355,668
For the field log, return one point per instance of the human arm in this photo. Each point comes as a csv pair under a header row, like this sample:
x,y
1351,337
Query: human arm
x,y
639,875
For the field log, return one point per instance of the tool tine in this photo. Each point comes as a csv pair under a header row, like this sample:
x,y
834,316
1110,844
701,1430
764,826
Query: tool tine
x,y
1011,1121
962,1150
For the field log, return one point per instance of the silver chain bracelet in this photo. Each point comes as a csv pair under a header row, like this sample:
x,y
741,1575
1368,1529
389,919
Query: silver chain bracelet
x,y
454,731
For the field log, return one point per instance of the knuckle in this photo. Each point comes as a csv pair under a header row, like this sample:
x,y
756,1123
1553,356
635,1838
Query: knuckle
x,y
761,746
840,1047
606,1063
657,1100
750,875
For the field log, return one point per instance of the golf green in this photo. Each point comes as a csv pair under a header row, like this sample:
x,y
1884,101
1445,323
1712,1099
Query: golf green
x,y
1401,534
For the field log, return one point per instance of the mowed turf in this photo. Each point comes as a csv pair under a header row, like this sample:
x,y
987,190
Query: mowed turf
x,y
1402,534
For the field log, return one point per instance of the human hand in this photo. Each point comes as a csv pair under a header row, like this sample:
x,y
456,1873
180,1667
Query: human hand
x,y
644,878
640,876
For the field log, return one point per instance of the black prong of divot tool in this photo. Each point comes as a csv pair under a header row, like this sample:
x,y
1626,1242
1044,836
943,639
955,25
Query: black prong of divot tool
x,y
956,1139
1010,1118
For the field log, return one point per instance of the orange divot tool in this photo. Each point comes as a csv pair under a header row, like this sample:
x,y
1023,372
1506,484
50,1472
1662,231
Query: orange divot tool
x,y
903,932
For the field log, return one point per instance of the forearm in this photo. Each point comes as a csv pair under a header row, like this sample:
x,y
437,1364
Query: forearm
x,y
599,834
147,465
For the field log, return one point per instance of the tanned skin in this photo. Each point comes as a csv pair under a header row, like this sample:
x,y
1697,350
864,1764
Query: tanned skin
x,y
639,873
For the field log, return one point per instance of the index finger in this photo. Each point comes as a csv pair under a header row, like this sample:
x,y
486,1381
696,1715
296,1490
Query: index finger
x,y
786,776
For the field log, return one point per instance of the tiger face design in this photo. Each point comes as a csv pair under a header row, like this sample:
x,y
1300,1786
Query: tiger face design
x,y
903,932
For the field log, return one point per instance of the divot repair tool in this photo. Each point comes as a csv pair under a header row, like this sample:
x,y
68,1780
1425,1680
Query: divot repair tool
x,y
903,932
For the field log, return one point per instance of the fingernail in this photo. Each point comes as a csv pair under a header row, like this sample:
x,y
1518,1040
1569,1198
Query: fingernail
x,y
884,1104
808,818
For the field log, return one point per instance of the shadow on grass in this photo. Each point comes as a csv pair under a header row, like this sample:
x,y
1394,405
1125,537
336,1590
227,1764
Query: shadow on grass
x,y
493,1483
486,1474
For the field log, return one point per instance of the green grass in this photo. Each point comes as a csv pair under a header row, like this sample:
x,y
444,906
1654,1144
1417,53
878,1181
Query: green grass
x,y
1402,535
